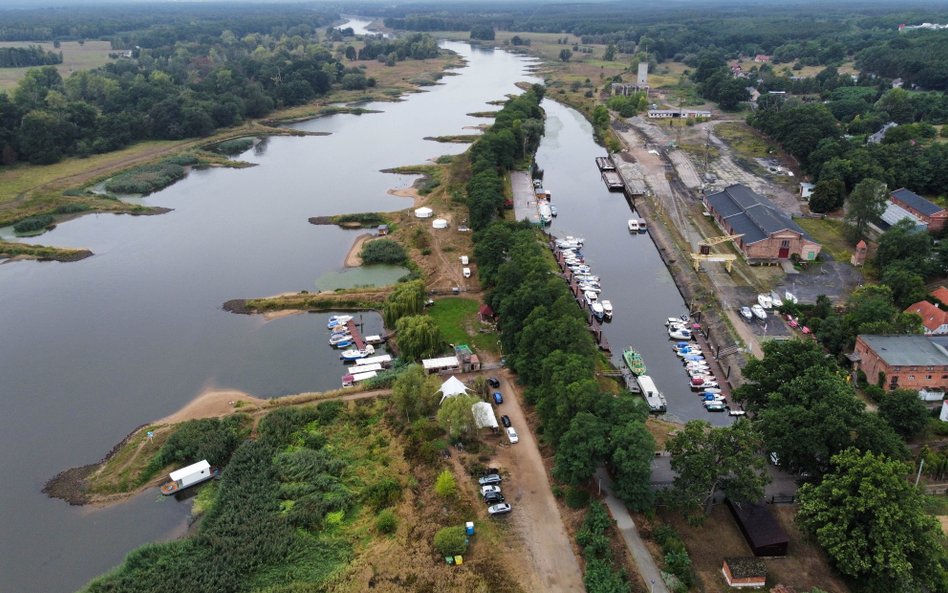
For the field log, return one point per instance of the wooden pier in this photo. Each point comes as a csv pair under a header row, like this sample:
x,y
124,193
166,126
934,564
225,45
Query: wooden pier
x,y
605,163
356,334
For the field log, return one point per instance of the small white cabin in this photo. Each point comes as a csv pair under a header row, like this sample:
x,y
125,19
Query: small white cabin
x,y
182,478
465,260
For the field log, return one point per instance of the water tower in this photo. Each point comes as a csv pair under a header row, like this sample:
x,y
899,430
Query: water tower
x,y
642,80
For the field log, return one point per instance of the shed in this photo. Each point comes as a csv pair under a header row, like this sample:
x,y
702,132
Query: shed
x,y
484,415
485,313
745,571
439,223
424,212
763,533
434,365
382,230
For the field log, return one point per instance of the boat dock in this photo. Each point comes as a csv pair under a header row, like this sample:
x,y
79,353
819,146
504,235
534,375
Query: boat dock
x,y
595,327
605,163
613,180
357,338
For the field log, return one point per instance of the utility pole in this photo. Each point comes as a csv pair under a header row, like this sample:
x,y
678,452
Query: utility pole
x,y
919,476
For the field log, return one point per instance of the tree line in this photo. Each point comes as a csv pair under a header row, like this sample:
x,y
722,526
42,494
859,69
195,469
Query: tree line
x,y
34,55
174,91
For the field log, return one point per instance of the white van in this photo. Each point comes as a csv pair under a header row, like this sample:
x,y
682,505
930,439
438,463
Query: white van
x,y
466,272
464,260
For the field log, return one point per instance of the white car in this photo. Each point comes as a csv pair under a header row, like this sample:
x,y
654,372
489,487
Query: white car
x,y
512,434
485,490
466,272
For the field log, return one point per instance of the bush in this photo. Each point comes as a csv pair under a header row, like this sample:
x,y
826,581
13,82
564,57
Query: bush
x,y
576,498
383,493
445,486
366,219
450,541
386,522
147,179
208,438
33,223
235,146
383,251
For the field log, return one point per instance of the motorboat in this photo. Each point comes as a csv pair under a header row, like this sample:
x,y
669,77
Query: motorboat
x,y
712,390
633,225
581,268
642,225
746,313
335,339
697,364
765,301
775,299
607,308
587,278
680,320
790,298
634,361
733,412
343,343
688,350
759,312
713,397
679,334
336,320
590,297
597,310
715,407
356,354
553,210
589,288
340,329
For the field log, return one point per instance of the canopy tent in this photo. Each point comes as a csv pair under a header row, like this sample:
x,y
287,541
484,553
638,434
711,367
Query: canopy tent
x,y
440,223
484,415
424,212
451,388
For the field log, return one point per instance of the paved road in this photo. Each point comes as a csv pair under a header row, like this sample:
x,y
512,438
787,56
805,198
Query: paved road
x,y
646,564
524,199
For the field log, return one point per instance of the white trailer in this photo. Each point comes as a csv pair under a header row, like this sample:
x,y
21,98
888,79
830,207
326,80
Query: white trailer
x,y
381,359
182,478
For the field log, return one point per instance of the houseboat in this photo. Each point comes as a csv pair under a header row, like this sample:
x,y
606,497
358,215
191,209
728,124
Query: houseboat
x,y
188,476
653,397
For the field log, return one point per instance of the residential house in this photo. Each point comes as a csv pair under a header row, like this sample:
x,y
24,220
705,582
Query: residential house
x,y
761,58
930,215
934,318
767,233
904,361
878,136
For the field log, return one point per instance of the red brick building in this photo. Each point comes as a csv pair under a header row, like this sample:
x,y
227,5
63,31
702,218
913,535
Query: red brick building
x,y
904,362
932,215
768,234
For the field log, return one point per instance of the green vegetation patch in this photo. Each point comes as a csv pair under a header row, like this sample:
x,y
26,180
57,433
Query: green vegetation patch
x,y
33,224
146,179
235,146
829,233
742,138
383,251
453,315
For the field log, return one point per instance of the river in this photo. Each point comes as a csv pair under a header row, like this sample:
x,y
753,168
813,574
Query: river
x,y
633,275
92,349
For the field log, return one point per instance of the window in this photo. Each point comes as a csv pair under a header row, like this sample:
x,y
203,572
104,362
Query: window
x,y
911,377
785,243
929,377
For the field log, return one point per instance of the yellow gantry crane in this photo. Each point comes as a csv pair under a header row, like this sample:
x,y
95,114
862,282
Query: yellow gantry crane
x,y
704,252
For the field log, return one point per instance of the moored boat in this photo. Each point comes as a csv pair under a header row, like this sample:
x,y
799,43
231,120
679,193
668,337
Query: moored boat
x,y
679,334
634,361
355,353
633,225
337,320
188,476
607,308
597,310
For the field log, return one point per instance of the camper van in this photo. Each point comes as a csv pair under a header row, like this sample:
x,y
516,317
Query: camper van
x,y
466,272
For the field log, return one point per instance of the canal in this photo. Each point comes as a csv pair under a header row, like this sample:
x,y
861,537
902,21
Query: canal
x,y
633,276
94,348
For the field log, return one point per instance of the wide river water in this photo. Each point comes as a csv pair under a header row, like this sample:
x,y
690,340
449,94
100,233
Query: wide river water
x,y
92,349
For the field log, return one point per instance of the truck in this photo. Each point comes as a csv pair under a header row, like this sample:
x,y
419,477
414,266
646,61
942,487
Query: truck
x,y
188,476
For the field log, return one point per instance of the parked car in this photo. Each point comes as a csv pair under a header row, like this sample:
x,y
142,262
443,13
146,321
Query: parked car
x,y
493,498
490,479
466,271
499,509
505,420
512,434
493,382
498,398
485,490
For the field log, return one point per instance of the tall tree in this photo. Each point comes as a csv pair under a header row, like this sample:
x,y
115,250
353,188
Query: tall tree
x,y
709,460
418,336
904,412
456,415
782,362
414,393
633,449
872,524
866,203
581,449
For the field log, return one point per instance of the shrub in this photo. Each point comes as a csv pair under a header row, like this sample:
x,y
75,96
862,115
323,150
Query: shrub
x,y
366,219
383,493
450,541
382,251
386,522
576,498
33,223
235,146
146,179
445,486
208,438
71,208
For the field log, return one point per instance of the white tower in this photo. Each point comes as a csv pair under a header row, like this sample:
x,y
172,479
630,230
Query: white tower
x,y
642,81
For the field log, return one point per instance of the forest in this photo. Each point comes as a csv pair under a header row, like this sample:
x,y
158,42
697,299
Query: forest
x,y
34,55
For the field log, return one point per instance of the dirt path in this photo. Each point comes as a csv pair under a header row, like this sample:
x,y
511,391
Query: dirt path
x,y
535,514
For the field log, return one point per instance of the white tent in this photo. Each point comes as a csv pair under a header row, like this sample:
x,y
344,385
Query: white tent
x,y
452,387
440,223
424,212
484,415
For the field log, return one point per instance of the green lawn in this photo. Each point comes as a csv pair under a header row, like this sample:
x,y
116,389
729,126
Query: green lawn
x,y
455,316
830,234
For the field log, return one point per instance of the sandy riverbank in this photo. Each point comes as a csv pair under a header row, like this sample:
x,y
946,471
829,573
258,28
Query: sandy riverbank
x,y
353,260
408,192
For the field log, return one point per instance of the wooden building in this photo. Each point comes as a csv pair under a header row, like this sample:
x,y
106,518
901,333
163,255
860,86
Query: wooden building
x,y
763,533
768,234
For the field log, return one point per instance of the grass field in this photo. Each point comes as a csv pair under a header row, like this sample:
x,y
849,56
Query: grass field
x,y
457,318
744,140
830,234
87,56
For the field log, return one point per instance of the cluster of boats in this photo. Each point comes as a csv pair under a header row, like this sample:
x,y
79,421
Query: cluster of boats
x,y
764,303
680,329
546,210
570,251
341,336
637,225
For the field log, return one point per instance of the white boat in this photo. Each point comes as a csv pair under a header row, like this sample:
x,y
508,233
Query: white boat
x,y
374,339
733,412
553,210
642,225
759,312
607,308
714,390
789,297
590,297
765,301
590,288
336,320
546,215
679,334
677,320
775,299
597,310
338,338
746,312
340,329
587,278
633,225
355,354
689,352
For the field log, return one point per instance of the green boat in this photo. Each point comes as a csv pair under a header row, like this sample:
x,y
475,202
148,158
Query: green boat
x,y
634,361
